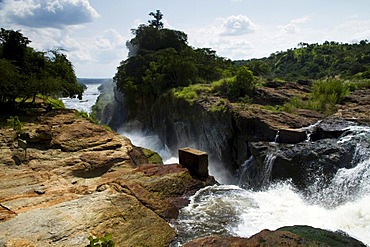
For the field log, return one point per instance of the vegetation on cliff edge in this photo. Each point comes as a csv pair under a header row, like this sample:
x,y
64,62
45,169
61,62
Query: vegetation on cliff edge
x,y
26,73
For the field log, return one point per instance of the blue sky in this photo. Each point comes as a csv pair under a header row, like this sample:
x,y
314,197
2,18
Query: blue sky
x,y
94,32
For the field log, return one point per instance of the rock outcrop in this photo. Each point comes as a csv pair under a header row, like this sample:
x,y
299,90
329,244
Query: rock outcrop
x,y
286,236
77,179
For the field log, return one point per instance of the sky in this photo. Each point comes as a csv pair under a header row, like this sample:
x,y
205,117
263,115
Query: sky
x,y
93,33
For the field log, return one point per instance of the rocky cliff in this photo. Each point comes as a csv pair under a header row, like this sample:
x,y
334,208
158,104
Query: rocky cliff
x,y
232,132
76,179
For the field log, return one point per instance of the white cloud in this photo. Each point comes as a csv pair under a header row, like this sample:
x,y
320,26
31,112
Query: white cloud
x,y
50,13
359,30
237,25
293,26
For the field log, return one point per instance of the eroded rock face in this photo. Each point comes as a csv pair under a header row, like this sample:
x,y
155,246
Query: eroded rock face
x,y
77,179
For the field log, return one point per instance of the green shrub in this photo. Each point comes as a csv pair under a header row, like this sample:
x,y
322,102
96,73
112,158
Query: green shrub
x,y
236,87
54,103
191,93
221,86
16,124
324,96
105,241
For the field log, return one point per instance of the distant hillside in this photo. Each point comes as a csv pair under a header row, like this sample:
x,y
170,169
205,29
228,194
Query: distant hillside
x,y
314,61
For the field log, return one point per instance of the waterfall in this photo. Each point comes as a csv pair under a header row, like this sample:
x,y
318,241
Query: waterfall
x,y
342,204
269,161
245,169
152,142
229,210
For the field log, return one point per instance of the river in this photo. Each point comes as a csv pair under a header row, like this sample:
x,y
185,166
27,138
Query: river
x,y
89,97
233,211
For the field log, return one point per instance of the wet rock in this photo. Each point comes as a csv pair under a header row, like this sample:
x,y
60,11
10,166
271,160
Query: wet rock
x,y
329,129
323,237
330,148
291,136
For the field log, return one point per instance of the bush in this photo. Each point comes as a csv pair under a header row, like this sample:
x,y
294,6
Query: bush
x,y
105,241
324,96
191,93
243,84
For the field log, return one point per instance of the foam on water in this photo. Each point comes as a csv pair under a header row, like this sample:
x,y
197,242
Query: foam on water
x,y
342,204
231,211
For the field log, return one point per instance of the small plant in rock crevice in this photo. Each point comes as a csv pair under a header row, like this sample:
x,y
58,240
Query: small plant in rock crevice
x,y
105,241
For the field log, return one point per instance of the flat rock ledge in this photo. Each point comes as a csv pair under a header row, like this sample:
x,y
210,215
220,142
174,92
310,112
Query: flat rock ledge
x,y
76,179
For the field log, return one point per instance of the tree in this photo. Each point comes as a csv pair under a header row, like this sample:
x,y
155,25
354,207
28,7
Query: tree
x,y
24,72
156,23
13,46
9,82
161,59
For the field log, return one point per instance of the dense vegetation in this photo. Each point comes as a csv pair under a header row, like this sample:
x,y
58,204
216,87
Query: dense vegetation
x,y
26,73
315,61
161,59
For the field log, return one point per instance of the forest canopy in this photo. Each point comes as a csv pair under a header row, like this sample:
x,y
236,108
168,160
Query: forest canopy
x,y
25,72
160,59
315,61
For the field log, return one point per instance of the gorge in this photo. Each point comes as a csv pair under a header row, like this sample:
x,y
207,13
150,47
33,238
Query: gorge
x,y
277,169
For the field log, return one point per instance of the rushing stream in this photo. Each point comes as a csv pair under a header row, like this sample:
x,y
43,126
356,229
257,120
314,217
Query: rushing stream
x,y
230,210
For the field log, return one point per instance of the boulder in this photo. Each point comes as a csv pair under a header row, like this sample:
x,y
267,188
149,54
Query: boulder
x,y
82,180
332,146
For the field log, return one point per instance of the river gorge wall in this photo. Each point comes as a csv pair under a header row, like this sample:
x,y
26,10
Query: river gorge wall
x,y
234,133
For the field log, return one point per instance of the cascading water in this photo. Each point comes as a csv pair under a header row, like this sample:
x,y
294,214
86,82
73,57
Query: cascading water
x,y
229,210
342,204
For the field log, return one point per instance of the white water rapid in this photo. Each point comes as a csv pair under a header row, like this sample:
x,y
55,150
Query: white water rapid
x,y
232,211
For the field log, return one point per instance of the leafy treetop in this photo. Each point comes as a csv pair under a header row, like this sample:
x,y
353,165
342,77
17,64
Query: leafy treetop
x,y
156,23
